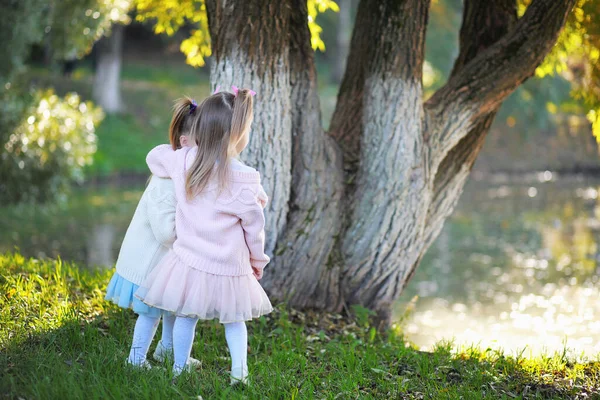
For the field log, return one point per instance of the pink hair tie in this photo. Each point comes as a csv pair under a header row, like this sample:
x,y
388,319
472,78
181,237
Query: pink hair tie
x,y
236,90
217,89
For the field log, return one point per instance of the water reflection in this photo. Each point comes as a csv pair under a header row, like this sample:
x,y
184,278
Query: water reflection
x,y
514,267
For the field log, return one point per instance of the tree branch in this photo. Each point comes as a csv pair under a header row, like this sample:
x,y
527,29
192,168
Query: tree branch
x,y
484,23
478,88
387,40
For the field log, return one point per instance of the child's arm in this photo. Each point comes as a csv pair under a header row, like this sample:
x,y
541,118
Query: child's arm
x,y
162,161
253,224
160,210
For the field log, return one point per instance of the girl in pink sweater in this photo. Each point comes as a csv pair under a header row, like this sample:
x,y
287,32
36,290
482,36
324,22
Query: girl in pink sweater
x,y
218,256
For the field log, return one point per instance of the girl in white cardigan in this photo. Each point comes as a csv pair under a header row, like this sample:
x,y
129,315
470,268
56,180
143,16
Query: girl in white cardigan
x,y
149,237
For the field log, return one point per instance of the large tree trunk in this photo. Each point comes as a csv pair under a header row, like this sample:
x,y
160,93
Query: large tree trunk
x,y
250,41
107,81
349,222
303,213
388,203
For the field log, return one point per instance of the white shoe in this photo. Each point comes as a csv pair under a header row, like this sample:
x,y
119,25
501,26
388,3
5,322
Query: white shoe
x,y
143,365
239,376
162,353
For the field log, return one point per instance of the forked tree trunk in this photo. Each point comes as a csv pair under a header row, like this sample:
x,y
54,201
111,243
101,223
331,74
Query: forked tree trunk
x,y
107,80
353,211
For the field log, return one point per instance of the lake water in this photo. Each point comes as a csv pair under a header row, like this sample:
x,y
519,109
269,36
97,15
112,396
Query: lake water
x,y
515,267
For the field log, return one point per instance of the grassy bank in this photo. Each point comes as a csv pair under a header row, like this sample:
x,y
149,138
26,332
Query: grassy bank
x,y
59,339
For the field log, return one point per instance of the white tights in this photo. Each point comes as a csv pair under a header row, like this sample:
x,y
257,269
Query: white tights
x,y
178,334
143,333
145,328
237,340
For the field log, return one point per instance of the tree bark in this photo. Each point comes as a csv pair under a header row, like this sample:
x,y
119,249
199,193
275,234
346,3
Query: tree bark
x,y
492,75
485,24
358,238
304,270
107,81
387,207
250,43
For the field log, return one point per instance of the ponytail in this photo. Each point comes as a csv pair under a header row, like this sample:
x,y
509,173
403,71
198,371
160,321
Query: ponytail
x,y
184,116
243,109
222,121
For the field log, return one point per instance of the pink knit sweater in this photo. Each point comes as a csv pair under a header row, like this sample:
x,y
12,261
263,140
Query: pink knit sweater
x,y
219,233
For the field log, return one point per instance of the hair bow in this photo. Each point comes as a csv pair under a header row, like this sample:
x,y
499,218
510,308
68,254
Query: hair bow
x,y
236,90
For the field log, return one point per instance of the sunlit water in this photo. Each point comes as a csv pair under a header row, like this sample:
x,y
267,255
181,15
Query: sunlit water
x,y
514,268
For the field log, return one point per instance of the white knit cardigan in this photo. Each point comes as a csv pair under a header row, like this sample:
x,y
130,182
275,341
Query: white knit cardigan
x,y
151,232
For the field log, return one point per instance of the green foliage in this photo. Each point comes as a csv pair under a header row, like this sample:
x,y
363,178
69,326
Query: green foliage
x,y
59,339
576,57
51,146
37,159
19,27
169,16
316,7
67,28
73,26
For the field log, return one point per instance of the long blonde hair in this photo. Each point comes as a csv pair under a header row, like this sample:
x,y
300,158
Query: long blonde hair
x,y
223,120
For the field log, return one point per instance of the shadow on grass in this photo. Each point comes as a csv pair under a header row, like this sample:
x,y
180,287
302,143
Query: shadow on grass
x,y
86,360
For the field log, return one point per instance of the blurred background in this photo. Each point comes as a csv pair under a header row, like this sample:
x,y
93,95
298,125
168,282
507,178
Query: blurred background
x,y
516,266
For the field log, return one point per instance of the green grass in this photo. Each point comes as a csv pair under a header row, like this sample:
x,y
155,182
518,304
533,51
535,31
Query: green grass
x,y
59,339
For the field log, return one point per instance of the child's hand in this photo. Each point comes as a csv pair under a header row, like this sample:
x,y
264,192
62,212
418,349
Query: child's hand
x,y
257,272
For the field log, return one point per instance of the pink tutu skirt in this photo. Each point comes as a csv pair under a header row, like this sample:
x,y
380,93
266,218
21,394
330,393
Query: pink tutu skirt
x,y
175,287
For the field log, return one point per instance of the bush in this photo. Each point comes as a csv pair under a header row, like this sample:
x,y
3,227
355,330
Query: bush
x,y
50,147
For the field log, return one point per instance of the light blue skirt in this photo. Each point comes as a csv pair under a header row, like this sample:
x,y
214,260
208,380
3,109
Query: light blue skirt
x,y
121,292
